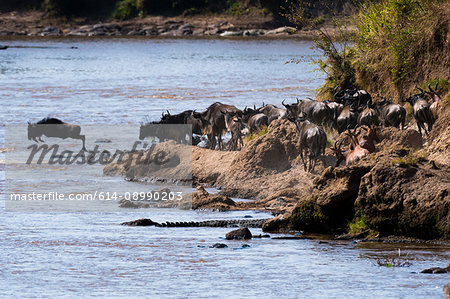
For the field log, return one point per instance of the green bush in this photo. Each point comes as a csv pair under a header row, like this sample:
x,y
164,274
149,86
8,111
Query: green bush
x,y
127,9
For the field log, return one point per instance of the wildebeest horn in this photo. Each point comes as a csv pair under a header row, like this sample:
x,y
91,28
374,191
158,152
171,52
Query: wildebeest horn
x,y
254,107
282,103
421,91
168,113
298,101
436,87
29,122
264,105
429,87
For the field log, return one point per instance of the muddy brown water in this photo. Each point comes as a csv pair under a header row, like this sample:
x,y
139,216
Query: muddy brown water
x,y
123,81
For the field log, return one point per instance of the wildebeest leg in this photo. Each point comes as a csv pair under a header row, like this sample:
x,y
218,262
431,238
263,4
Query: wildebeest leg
x,y
83,139
219,141
303,160
430,126
419,127
40,139
34,139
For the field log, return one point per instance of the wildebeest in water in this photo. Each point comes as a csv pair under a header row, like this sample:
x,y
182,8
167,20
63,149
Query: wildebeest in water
x,y
53,127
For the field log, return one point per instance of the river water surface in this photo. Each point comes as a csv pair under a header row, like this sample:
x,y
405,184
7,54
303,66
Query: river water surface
x,y
125,81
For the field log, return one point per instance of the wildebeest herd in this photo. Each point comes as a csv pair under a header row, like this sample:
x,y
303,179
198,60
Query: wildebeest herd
x,y
350,110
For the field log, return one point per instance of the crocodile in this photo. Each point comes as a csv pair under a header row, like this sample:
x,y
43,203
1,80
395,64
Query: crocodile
x,y
254,223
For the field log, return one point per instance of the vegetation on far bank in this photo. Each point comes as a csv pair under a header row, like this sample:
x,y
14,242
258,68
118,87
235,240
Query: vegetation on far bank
x,y
398,46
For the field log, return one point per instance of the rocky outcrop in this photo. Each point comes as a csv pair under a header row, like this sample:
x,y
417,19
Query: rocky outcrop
x,y
396,190
406,200
265,167
239,234
215,202
438,141
165,162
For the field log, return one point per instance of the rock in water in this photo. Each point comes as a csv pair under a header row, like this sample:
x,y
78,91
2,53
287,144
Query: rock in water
x,y
239,234
219,245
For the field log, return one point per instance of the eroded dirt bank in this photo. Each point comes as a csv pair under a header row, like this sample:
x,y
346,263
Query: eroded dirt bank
x,y
401,189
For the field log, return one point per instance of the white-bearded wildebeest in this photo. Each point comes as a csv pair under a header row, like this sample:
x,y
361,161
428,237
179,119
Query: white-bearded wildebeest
x,y
214,115
421,111
312,110
347,119
368,116
255,119
313,141
164,132
53,127
353,96
273,112
391,115
237,127
188,117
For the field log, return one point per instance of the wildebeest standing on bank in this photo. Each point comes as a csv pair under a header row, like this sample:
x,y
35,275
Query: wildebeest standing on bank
x,y
273,112
165,132
421,111
214,115
391,115
313,141
255,119
53,127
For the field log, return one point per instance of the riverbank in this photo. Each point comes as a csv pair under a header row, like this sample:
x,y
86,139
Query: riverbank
x,y
402,189
36,23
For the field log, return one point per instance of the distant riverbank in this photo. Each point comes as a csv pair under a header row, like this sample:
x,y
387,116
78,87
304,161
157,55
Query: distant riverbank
x,y
35,23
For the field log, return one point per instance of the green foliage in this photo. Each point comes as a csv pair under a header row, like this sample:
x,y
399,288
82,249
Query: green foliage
x,y
127,9
261,132
413,158
389,26
308,216
443,85
337,62
234,8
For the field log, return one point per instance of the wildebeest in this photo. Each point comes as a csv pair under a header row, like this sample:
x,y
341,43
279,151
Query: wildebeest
x,y
238,128
164,131
188,117
336,108
358,148
368,116
353,96
273,112
391,115
436,100
421,111
312,110
215,117
313,141
53,127
255,119
347,119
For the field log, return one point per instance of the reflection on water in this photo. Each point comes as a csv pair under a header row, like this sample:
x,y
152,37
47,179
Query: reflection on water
x,y
118,81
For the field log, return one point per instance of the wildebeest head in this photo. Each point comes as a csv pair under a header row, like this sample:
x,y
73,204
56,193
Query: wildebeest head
x,y
291,110
32,131
148,130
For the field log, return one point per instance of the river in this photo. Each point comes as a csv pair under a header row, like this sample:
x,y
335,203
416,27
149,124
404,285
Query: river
x,y
124,82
